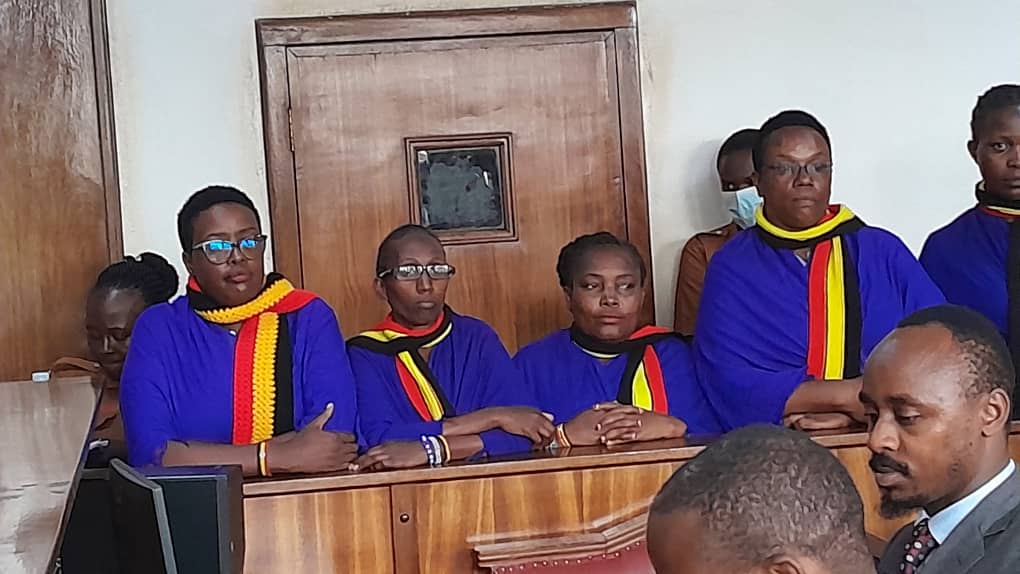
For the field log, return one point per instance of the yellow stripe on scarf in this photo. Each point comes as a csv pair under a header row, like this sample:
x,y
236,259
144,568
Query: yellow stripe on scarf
x,y
271,296
842,216
427,392
641,391
263,377
835,313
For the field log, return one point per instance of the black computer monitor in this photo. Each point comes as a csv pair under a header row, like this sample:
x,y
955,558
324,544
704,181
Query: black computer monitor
x,y
140,523
205,505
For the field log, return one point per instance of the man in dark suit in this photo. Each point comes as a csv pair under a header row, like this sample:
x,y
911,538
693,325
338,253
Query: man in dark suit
x,y
937,392
761,500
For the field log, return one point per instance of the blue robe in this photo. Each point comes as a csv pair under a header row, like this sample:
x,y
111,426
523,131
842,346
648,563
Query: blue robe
x,y
178,378
750,345
967,260
567,381
474,371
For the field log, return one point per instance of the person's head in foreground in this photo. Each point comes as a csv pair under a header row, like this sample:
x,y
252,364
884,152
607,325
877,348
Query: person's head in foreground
x,y
763,499
937,391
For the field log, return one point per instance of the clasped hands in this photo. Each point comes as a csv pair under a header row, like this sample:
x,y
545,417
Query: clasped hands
x,y
612,423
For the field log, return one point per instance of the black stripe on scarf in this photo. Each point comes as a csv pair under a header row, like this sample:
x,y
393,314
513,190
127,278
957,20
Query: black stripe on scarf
x,y
633,348
283,410
853,322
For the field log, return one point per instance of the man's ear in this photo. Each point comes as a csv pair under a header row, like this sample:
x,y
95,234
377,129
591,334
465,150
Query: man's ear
x,y
787,564
972,150
996,412
567,297
186,258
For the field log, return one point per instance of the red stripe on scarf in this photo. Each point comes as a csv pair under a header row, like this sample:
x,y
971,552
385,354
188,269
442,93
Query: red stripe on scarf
x,y
817,309
656,382
646,331
389,324
293,301
413,392
999,214
243,414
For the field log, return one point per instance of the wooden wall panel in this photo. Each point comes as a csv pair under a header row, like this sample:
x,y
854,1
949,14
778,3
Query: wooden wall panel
x,y
56,169
334,531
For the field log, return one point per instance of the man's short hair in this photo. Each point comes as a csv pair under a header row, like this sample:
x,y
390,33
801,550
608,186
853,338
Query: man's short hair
x,y
764,489
989,362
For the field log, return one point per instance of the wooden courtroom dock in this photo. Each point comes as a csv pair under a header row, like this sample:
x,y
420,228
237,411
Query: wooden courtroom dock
x,y
44,429
479,517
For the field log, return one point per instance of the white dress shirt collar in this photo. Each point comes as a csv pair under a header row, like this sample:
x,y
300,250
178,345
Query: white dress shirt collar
x,y
945,521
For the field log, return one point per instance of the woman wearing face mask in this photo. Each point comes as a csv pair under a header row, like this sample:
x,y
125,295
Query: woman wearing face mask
x,y
741,199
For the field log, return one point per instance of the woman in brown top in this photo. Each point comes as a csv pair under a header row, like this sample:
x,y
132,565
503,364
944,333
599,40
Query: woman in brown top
x,y
122,291
741,199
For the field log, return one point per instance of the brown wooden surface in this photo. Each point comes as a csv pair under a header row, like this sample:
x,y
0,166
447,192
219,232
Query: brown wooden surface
x,y
570,101
338,531
43,433
446,24
60,223
438,517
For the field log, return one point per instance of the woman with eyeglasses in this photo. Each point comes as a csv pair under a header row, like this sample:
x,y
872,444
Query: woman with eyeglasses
x,y
434,386
791,311
606,379
245,369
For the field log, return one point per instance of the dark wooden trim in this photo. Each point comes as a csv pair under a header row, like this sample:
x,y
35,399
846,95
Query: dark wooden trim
x,y
107,129
632,137
404,500
280,172
675,450
446,24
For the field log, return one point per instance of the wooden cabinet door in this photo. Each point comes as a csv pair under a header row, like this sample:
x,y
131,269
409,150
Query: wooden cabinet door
x,y
59,215
356,111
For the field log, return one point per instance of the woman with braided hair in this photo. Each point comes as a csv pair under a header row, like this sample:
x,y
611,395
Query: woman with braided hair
x,y
121,292
245,369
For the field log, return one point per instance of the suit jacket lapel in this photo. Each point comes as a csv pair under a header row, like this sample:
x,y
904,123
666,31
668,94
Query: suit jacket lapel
x,y
966,544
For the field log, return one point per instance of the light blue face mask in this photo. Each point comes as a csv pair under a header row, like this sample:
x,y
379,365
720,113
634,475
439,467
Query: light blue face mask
x,y
742,204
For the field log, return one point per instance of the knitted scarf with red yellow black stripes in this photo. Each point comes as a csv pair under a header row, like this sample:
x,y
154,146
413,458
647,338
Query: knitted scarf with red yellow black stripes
x,y
1008,210
834,299
642,384
404,345
263,384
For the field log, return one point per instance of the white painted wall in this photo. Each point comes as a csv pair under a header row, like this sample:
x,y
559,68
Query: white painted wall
x,y
894,81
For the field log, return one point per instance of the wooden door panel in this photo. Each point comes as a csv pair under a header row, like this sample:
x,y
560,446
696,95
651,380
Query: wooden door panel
x,y
354,105
54,179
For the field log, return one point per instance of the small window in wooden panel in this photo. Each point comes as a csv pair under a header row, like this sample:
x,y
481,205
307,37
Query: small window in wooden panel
x,y
460,187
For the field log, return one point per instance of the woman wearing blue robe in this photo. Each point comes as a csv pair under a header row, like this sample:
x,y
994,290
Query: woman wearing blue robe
x,y
792,308
244,369
434,386
604,379
970,258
